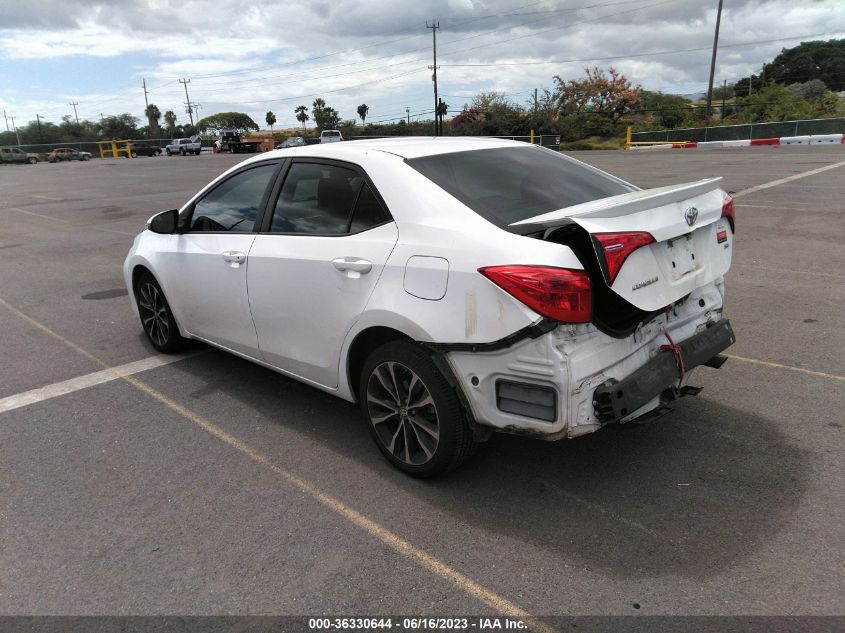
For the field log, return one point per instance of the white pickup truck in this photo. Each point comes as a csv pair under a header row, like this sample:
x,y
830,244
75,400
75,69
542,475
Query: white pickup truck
x,y
184,146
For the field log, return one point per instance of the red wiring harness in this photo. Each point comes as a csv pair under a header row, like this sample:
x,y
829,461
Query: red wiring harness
x,y
676,352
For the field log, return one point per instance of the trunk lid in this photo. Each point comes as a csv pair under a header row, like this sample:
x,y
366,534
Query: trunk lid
x,y
692,241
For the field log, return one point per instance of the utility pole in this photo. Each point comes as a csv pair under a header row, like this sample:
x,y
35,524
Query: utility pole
x,y
408,112
146,102
713,59
7,119
185,83
17,136
40,136
535,101
196,108
434,26
74,104
724,94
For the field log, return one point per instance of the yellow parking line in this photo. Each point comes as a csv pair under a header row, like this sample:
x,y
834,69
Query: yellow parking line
x,y
765,363
374,529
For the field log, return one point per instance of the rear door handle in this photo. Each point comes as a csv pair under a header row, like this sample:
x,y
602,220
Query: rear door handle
x,y
234,257
353,265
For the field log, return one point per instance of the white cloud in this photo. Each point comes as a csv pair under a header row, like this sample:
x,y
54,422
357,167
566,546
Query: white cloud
x,y
260,55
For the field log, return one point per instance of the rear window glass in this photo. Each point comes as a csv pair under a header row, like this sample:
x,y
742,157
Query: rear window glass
x,y
509,184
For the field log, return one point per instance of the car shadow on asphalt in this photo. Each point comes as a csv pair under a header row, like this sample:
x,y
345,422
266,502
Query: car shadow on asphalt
x,y
689,495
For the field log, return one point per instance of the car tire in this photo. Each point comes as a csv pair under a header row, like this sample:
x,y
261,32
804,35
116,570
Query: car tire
x,y
32,161
134,154
424,441
156,316
86,158
169,153
199,151
182,151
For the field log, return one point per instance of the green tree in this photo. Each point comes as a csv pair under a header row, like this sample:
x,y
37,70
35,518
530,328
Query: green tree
x,y
664,110
119,127
301,113
325,118
363,111
222,120
170,119
271,119
153,115
772,103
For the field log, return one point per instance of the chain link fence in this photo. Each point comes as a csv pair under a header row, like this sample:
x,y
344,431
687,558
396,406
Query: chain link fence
x,y
746,131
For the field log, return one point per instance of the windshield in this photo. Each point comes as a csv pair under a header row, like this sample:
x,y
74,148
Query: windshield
x,y
509,184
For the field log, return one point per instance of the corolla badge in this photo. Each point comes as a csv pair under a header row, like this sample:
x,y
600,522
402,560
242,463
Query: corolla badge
x,y
691,215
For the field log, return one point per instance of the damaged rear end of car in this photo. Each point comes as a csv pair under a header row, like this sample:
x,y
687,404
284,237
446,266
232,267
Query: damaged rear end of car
x,y
616,340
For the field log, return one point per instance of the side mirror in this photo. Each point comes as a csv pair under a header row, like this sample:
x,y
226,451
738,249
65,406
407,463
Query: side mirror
x,y
164,223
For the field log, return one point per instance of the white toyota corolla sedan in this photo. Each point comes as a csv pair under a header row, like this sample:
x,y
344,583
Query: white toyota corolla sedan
x,y
452,286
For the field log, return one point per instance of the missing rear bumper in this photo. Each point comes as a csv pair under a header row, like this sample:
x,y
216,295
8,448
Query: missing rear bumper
x,y
614,400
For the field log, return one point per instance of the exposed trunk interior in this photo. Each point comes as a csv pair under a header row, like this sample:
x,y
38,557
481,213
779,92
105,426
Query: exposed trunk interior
x,y
612,314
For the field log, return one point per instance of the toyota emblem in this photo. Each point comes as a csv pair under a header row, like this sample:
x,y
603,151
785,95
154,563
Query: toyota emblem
x,y
691,215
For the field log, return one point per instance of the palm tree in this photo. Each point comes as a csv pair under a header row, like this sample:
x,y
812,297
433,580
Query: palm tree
x,y
363,111
271,119
301,115
170,119
153,115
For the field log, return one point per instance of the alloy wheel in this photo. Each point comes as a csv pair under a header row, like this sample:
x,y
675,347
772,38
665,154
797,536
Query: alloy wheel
x,y
154,314
402,413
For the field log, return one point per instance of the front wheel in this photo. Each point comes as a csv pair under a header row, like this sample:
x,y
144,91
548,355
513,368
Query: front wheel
x,y
169,153
32,161
414,416
156,317
182,151
86,157
134,154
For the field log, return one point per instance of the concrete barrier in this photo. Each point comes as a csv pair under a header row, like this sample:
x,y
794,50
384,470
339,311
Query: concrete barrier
x,y
826,139
765,141
794,140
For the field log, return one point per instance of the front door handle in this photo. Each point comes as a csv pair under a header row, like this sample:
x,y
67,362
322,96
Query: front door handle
x,y
353,265
234,257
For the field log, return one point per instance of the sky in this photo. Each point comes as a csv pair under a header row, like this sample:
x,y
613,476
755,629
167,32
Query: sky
x,y
259,55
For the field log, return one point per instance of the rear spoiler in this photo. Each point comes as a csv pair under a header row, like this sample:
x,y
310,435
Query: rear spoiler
x,y
616,206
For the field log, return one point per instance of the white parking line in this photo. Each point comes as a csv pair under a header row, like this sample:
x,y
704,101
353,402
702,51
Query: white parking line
x,y
781,181
26,398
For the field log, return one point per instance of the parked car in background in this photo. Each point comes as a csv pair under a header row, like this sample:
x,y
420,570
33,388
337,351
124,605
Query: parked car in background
x,y
66,153
184,146
16,155
142,148
529,293
293,141
330,136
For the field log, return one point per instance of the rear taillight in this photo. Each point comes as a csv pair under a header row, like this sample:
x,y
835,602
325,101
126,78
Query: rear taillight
x,y
617,246
729,212
556,293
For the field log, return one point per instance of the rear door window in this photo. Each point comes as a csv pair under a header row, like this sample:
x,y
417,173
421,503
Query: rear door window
x,y
316,199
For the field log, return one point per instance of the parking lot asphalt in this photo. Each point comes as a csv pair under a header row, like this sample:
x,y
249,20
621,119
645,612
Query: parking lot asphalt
x,y
213,486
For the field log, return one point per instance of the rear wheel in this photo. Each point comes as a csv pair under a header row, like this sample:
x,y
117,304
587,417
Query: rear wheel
x,y
414,416
134,154
156,317
182,151
169,153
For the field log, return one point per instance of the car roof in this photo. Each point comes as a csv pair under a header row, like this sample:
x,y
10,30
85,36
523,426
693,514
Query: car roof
x,y
406,147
